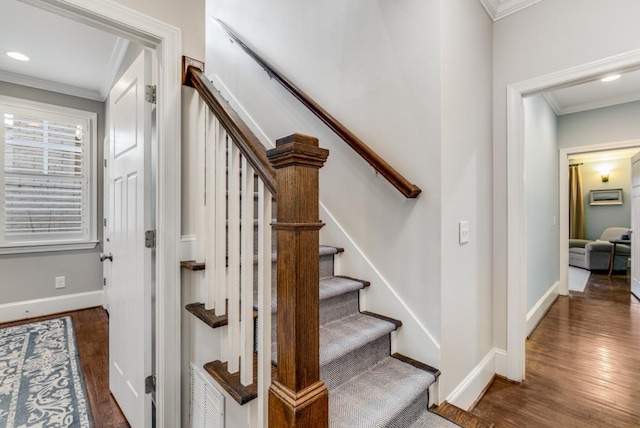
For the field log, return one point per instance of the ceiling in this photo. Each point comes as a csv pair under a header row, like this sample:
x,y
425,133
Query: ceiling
x,y
65,56
595,94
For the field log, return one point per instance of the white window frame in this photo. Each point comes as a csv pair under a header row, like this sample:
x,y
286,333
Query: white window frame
x,y
91,239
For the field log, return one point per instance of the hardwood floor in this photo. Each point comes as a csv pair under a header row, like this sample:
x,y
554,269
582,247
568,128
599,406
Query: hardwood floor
x,y
582,364
92,337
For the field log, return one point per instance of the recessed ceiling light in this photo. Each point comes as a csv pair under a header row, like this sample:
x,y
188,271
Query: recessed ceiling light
x,y
610,78
17,55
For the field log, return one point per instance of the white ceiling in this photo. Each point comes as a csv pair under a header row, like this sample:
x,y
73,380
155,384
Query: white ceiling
x,y
66,56
595,94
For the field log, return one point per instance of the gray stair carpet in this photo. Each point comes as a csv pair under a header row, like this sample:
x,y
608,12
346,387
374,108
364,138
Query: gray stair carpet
x,y
367,386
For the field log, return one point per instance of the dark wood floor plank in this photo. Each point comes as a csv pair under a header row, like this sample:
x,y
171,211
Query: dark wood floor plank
x,y
92,336
582,364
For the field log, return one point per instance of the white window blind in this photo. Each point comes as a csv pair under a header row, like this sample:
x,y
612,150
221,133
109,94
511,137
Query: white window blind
x,y
45,174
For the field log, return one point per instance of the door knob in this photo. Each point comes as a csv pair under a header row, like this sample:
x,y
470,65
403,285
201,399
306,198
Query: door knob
x,y
104,257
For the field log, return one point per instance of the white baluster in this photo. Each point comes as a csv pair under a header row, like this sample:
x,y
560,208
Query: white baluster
x,y
219,264
233,257
246,287
211,127
201,229
264,300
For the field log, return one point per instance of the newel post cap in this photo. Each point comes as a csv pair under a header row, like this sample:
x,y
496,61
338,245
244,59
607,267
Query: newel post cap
x,y
297,149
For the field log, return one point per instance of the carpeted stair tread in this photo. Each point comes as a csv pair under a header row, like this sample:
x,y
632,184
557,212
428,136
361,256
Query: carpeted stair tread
x,y
332,286
430,419
340,337
378,396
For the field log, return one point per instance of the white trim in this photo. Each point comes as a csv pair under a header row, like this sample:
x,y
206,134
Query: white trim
x,y
516,309
46,85
623,99
563,203
498,9
166,40
501,361
46,248
470,389
115,62
535,315
411,322
188,245
50,305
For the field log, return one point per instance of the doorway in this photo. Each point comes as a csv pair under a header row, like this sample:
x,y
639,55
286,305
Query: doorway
x,y
165,41
516,241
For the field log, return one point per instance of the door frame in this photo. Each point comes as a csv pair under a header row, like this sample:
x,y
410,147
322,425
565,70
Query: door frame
x,y
165,39
516,264
563,203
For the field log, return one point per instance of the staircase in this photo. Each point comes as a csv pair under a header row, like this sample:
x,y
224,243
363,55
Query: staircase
x,y
368,386
308,347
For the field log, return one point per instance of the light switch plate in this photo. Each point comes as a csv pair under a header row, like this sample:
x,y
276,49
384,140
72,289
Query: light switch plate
x,y
60,282
464,232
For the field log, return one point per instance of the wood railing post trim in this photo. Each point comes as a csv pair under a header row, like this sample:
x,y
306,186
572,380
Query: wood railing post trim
x,y
242,136
297,397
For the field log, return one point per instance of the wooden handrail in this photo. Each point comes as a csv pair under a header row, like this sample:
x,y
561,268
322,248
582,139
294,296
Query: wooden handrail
x,y
380,165
249,145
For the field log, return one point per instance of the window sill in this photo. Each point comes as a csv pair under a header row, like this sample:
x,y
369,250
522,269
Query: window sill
x,y
47,248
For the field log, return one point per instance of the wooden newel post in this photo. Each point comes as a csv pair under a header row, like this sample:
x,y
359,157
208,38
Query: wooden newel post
x,y
297,397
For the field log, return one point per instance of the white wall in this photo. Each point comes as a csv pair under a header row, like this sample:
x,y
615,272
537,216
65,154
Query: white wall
x,y
541,198
376,67
549,36
31,276
467,287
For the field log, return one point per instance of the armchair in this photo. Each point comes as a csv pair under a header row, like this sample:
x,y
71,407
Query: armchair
x,y
595,255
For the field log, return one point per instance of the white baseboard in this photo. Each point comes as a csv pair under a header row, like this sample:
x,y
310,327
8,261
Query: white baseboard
x,y
537,312
51,305
501,361
469,390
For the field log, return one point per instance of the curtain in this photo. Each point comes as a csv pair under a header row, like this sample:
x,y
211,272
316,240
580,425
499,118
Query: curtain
x,y
576,203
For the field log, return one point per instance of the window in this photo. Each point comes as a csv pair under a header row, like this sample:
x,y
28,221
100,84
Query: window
x,y
47,177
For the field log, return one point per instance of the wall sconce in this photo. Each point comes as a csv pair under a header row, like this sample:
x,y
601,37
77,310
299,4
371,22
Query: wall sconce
x,y
604,175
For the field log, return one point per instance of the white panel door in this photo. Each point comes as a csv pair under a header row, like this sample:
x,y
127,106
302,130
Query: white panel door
x,y
130,289
635,225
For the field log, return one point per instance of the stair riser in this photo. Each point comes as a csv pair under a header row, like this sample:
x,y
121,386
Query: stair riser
x,y
341,370
410,413
330,309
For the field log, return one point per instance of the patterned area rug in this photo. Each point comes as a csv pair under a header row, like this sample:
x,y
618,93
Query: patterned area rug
x,y
41,383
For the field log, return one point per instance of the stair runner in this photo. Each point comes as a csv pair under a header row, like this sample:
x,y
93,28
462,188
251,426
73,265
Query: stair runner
x,y
368,387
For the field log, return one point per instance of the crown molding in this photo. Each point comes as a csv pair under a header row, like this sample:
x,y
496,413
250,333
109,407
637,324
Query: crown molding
x,y
628,98
552,100
19,79
498,9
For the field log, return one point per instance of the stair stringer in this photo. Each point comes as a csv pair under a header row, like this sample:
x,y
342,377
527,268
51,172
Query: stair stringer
x,y
414,339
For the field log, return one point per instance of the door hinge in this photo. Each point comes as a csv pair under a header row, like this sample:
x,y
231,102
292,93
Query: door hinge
x,y
150,384
150,239
150,94
104,222
104,282
105,163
